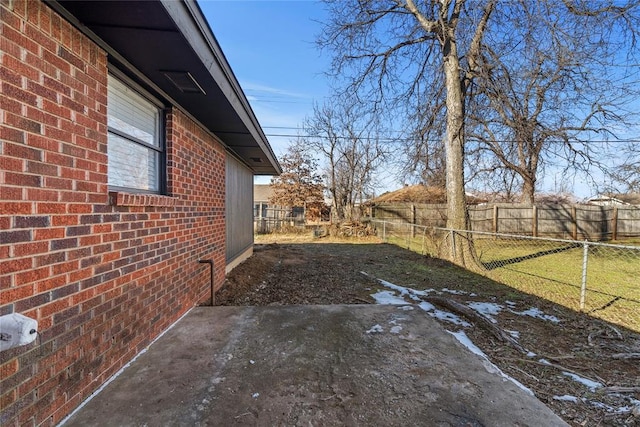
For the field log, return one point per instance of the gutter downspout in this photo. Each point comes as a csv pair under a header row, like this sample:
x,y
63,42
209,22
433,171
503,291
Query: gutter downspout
x,y
211,277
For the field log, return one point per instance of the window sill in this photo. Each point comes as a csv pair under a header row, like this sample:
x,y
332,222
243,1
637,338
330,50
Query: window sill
x,y
120,198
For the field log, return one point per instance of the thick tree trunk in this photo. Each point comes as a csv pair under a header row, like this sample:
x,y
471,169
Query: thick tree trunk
x,y
530,170
462,252
456,207
528,190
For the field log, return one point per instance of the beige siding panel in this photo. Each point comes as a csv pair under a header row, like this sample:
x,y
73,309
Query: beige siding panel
x,y
239,208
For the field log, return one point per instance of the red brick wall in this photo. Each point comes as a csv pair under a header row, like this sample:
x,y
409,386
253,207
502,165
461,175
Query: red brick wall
x,y
103,273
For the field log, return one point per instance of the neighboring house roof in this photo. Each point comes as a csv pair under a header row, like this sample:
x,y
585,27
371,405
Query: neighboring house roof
x,y
615,199
169,47
420,194
554,199
262,193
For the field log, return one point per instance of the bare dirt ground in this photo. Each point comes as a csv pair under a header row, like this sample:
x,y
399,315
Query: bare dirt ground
x,y
559,360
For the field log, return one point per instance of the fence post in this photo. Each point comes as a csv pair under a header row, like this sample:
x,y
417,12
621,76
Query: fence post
x,y
583,287
614,224
534,221
574,219
413,220
453,244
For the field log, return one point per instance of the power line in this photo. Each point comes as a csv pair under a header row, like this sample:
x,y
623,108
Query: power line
x,y
389,139
280,102
282,127
337,137
302,128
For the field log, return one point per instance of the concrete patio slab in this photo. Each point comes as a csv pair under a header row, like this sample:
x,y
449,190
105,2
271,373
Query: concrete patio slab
x,y
311,365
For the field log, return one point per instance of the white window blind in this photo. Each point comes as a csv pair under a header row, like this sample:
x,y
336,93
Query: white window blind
x,y
134,146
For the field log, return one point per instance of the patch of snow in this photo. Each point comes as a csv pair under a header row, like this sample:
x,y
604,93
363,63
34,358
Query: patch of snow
x,y
388,298
531,354
617,410
375,329
443,315
514,334
544,361
622,409
510,303
426,306
392,298
590,384
537,313
598,405
252,362
396,329
566,398
450,317
453,291
464,340
255,395
406,308
487,309
605,407
611,409
411,293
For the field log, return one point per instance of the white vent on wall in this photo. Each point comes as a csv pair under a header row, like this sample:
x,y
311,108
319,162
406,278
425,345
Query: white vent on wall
x,y
17,330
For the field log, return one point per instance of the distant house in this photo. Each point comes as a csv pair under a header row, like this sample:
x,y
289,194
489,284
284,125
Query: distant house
x,y
261,206
615,199
128,154
421,194
268,216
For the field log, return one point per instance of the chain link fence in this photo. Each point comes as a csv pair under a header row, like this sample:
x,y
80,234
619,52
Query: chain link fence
x,y
597,278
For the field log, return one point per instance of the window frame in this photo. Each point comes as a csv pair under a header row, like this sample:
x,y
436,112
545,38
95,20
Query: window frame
x,y
160,136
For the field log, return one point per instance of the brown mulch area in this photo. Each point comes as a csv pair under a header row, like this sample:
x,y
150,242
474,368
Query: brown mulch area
x,y
331,273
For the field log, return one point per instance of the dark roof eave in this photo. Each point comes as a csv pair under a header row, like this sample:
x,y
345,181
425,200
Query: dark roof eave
x,y
147,37
191,22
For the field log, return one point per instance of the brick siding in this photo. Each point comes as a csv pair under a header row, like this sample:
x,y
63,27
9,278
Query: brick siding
x,y
103,273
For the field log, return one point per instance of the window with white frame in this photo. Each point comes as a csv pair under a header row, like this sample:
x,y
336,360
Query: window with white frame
x,y
135,149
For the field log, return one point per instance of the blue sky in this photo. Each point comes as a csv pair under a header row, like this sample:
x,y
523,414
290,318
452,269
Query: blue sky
x,y
270,47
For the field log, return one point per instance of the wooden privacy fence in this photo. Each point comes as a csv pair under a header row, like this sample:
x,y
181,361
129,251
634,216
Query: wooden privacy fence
x,y
561,221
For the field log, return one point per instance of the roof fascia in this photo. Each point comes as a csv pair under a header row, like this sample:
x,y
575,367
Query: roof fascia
x,y
194,27
120,60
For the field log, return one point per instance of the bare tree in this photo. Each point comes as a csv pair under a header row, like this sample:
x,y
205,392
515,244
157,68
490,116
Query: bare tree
x,y
553,79
491,179
396,51
625,176
350,144
299,184
429,59
424,159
